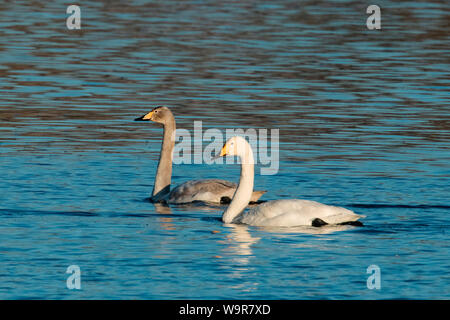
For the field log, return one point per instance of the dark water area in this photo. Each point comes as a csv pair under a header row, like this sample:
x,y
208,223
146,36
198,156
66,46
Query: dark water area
x,y
363,118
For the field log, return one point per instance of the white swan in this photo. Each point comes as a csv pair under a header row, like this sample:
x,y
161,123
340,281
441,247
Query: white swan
x,y
280,213
208,190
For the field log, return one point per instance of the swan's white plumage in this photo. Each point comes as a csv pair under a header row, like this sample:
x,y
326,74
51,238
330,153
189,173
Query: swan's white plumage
x,y
278,213
294,212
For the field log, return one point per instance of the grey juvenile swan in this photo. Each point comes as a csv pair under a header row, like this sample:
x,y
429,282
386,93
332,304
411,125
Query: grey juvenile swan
x,y
208,190
279,213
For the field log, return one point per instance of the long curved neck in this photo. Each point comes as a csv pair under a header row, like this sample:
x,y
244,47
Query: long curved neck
x,y
164,171
244,191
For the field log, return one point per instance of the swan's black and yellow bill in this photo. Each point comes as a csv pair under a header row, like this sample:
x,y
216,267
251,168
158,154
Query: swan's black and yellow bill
x,y
222,153
145,117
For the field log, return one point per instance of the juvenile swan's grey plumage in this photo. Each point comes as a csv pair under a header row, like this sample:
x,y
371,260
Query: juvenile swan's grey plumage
x,y
280,213
210,190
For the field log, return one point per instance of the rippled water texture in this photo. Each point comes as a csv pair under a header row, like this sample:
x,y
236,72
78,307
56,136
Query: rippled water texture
x,y
363,118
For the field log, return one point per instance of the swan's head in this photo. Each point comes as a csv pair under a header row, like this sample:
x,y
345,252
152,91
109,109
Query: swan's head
x,y
237,146
159,114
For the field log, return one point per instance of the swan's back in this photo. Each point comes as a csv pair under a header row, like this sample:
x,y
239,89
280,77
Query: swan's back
x,y
207,190
295,212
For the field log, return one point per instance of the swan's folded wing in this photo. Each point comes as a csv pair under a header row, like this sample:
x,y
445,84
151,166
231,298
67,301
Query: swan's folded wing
x,y
327,213
341,215
209,190
296,212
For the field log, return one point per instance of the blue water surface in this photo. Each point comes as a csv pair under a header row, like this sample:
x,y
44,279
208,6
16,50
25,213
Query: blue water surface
x,y
363,117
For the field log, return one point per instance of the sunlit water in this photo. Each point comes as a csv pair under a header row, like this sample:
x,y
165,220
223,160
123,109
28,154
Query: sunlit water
x,y
363,118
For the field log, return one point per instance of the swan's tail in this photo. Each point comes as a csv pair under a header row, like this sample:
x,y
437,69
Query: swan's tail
x,y
352,221
344,217
256,195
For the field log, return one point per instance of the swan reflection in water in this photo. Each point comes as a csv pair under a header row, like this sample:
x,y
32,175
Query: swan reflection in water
x,y
237,255
236,252
166,216
166,222
240,240
327,229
